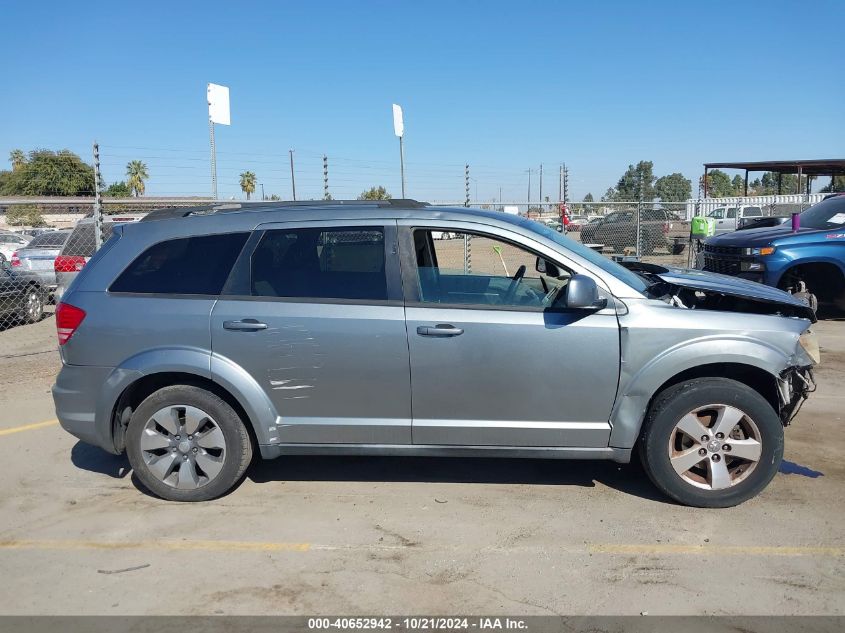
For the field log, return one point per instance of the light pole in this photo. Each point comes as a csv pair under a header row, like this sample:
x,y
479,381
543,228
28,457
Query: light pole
x,y
262,192
399,130
218,112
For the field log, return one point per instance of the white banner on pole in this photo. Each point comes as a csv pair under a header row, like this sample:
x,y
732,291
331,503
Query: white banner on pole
x,y
398,123
218,104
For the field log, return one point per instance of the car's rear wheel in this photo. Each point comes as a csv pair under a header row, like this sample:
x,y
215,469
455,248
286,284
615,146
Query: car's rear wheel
x,y
187,444
34,306
711,442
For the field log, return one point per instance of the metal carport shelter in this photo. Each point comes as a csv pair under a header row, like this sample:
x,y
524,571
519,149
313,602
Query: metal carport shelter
x,y
824,167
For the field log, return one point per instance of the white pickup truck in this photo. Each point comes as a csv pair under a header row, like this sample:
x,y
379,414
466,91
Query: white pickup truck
x,y
731,218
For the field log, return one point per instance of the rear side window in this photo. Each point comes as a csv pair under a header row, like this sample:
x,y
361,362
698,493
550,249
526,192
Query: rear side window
x,y
189,266
337,263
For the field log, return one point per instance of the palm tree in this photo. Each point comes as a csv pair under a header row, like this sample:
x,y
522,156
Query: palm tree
x,y
247,183
17,158
136,174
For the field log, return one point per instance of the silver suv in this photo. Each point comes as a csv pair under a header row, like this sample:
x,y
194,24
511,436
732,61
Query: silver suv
x,y
195,337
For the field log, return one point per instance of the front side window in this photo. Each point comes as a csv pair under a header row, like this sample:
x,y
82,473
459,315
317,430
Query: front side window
x,y
336,263
190,266
481,270
718,214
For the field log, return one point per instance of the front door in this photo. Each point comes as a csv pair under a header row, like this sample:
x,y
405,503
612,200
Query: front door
x,y
314,314
492,364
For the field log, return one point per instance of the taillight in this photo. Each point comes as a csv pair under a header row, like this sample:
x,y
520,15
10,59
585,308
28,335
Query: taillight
x,y
16,261
68,318
68,263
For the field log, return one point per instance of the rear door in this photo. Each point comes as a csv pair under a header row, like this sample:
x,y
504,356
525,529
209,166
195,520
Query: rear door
x,y
314,313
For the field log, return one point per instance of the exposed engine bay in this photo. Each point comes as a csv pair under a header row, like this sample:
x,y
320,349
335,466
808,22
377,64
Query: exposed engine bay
x,y
795,384
693,290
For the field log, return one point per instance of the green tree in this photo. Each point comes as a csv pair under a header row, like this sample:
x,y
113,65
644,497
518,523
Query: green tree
x,y
673,188
718,184
609,195
136,174
637,183
25,215
588,198
17,158
118,190
274,197
48,173
248,183
375,193
738,185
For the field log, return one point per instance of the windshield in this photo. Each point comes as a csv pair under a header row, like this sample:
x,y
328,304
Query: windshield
x,y
622,274
828,214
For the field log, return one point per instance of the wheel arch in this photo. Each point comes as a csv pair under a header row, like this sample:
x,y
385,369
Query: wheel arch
x,y
815,273
144,374
753,364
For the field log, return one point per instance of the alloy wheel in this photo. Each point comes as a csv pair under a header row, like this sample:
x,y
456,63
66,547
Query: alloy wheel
x,y
34,306
715,447
183,447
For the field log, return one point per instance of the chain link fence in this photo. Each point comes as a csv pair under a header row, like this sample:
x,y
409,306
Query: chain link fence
x,y
44,243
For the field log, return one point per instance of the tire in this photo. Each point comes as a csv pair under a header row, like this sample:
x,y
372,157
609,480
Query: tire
x,y
665,448
34,308
155,444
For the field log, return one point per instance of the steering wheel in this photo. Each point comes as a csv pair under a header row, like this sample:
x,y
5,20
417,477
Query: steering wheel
x,y
511,291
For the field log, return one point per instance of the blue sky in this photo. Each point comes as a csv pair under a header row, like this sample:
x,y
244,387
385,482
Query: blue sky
x,y
503,86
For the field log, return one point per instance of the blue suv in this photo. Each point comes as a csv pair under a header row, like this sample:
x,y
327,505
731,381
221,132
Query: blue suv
x,y
780,257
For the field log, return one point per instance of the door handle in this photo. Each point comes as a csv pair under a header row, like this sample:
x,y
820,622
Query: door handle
x,y
244,325
442,330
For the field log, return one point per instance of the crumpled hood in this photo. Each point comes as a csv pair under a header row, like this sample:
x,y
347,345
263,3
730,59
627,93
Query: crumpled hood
x,y
734,286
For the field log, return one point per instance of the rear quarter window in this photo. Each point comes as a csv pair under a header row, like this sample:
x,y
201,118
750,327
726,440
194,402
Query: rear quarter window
x,y
191,266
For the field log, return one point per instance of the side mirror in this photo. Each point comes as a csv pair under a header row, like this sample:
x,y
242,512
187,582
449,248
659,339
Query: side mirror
x,y
546,267
582,293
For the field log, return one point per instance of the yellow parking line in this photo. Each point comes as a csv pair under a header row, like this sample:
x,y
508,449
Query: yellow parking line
x,y
28,427
731,550
221,546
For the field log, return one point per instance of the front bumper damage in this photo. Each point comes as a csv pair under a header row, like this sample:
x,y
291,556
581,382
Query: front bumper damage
x,y
795,384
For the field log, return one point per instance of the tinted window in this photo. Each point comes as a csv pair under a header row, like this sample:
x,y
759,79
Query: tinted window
x,y
338,263
191,266
49,240
828,214
753,211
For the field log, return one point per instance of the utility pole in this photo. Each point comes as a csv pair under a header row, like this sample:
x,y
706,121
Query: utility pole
x,y
560,185
500,199
466,184
541,187
292,177
262,191
326,195
528,206
98,207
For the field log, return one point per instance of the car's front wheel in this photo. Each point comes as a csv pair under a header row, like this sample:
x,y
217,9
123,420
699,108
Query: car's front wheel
x,y
187,444
711,442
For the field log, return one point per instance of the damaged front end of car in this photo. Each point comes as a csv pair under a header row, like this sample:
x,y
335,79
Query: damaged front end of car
x,y
797,382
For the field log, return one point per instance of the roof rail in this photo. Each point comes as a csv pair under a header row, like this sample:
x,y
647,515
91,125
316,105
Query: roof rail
x,y
265,205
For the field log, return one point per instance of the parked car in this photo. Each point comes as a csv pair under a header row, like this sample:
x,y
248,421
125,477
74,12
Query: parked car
x,y
80,247
22,296
195,338
10,242
812,257
39,256
618,231
731,218
576,222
